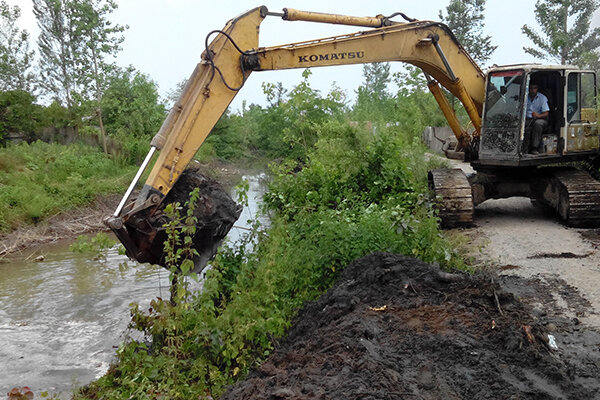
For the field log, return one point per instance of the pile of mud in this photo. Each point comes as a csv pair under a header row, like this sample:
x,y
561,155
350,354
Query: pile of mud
x,y
215,214
396,328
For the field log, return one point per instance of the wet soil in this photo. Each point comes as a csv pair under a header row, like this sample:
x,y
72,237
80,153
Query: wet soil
x,y
394,327
61,226
514,232
215,214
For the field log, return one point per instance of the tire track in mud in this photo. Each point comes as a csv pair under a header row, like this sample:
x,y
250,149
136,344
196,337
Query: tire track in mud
x,y
523,240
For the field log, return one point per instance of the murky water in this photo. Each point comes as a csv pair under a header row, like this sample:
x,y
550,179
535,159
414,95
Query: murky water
x,y
62,318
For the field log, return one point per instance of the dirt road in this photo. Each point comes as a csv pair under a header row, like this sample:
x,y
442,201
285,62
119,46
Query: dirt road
x,y
527,241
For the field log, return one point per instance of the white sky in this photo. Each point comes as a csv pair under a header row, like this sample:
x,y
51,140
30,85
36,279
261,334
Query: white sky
x,y
166,37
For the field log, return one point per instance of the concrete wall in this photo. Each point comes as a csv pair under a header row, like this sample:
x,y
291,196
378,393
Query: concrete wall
x,y
434,137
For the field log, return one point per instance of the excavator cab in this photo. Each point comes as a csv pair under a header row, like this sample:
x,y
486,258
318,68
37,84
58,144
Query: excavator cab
x,y
570,132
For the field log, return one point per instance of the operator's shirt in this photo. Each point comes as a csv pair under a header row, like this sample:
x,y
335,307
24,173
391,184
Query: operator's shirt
x,y
539,104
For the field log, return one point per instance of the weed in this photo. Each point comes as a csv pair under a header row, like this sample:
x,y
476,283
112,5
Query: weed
x,y
94,244
39,180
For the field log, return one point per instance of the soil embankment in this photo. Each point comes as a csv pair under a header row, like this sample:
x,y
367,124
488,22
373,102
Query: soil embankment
x,y
61,226
88,219
394,327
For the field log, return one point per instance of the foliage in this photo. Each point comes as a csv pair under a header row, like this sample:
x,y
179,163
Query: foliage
x,y
15,57
174,94
566,35
92,244
131,111
39,180
19,114
416,107
286,128
75,42
227,140
465,18
357,193
131,105
373,102
94,38
55,43
57,116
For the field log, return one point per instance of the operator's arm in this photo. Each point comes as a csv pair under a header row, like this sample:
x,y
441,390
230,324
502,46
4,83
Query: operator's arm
x,y
544,108
543,115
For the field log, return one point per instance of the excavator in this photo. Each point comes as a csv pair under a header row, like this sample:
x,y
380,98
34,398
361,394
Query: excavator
x,y
495,102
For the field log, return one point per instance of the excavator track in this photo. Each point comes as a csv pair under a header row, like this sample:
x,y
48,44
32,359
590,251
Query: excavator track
x,y
453,191
576,197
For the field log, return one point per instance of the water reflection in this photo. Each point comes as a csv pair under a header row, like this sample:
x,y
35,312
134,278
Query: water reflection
x,y
256,190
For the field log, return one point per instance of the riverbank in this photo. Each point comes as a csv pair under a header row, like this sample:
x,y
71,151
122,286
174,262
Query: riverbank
x,y
64,225
70,223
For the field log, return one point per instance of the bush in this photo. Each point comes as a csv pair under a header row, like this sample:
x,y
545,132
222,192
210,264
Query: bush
x,y
356,194
18,114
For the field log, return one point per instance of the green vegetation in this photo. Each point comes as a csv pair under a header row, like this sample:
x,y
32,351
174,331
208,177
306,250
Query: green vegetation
x,y
566,34
40,180
338,192
19,114
92,244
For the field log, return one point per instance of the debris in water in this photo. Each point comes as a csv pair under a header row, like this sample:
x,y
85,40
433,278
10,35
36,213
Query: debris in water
x,y
552,342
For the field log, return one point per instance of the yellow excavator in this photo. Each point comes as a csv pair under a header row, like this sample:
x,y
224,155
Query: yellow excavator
x,y
495,102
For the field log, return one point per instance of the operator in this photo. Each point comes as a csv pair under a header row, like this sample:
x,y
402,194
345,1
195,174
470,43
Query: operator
x,y
536,120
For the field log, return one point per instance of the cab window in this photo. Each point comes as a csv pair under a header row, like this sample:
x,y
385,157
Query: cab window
x,y
581,97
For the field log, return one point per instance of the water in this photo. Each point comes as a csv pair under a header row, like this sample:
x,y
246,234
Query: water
x,y
62,318
256,191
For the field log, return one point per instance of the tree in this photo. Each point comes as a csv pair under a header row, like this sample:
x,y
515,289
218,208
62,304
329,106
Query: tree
x,y
94,38
131,104
418,107
566,35
57,67
174,94
19,114
15,57
373,98
466,20
132,111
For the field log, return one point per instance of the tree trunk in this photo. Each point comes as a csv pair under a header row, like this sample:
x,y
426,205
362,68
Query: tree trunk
x,y
563,50
99,100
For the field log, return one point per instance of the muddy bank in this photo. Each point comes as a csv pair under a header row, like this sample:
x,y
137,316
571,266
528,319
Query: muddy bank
x,y
65,225
88,219
394,328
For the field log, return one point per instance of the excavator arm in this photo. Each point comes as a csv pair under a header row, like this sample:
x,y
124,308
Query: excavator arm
x,y
234,53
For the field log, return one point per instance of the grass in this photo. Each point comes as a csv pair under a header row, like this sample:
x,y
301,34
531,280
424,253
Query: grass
x,y
39,180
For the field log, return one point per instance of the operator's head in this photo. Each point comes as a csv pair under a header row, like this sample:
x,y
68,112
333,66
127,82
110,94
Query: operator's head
x,y
533,89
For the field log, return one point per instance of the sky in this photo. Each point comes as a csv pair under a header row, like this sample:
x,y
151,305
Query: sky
x,y
166,37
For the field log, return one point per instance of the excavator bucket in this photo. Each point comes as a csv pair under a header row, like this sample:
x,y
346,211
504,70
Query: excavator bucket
x,y
143,233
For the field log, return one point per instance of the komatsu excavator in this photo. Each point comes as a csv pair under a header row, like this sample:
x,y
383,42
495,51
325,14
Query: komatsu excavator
x,y
495,103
